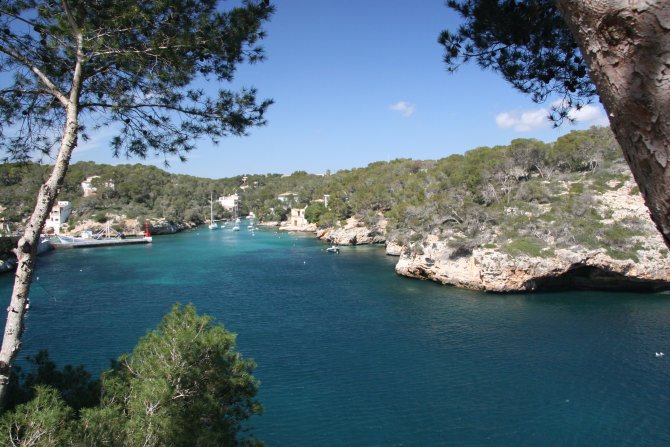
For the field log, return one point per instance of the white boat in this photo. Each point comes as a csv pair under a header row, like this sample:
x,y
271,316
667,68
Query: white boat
x,y
212,224
236,226
333,249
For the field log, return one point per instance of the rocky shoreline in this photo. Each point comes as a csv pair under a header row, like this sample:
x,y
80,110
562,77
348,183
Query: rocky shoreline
x,y
9,263
493,270
354,232
133,227
490,270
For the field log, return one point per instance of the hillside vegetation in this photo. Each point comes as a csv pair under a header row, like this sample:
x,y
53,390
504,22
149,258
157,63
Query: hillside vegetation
x,y
525,197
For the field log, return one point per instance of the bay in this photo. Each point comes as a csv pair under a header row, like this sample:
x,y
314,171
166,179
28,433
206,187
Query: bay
x,y
349,353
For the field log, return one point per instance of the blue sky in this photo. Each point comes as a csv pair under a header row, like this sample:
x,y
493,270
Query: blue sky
x,y
361,81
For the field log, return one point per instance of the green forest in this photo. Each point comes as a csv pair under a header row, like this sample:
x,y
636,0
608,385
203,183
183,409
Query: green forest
x,y
463,195
184,384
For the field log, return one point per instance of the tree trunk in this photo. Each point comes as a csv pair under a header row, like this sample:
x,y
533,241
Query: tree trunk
x,y
26,252
626,44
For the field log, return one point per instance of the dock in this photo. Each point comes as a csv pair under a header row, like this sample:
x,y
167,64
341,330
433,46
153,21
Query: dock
x,y
89,243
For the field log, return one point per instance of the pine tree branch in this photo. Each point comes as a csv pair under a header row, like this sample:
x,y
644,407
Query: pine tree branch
x,y
50,86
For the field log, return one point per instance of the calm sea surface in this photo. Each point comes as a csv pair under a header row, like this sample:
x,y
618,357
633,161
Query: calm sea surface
x,y
349,354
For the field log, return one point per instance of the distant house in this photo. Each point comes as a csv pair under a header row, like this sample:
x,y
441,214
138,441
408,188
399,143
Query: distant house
x,y
287,197
58,216
324,200
229,203
87,186
297,218
89,189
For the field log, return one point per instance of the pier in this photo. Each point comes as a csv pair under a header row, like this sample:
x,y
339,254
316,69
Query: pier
x,y
88,243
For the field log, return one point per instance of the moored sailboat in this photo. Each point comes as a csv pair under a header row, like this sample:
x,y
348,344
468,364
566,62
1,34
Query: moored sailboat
x,y
236,226
212,224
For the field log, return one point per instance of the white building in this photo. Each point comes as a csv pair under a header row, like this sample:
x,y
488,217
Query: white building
x,y
287,197
324,200
87,186
298,217
229,203
89,189
58,216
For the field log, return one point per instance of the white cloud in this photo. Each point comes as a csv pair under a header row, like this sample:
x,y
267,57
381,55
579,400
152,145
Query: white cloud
x,y
528,120
404,108
523,121
589,114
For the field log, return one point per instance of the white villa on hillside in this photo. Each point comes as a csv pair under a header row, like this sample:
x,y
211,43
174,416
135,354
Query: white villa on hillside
x,y
89,189
324,200
287,197
58,216
229,203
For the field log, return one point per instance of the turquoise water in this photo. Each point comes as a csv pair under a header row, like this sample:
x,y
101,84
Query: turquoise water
x,y
350,354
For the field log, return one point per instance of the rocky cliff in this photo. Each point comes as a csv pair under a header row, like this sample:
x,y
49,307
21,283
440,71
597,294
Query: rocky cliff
x,y
489,268
489,265
354,232
493,271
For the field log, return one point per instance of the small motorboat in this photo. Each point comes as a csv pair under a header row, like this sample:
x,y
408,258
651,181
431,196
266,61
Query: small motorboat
x,y
333,249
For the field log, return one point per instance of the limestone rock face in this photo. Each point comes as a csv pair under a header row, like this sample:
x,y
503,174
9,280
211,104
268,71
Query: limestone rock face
x,y
576,267
393,248
167,227
494,271
272,223
353,233
310,228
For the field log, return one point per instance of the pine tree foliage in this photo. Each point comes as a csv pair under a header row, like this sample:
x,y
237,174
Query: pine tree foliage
x,y
527,42
184,384
142,66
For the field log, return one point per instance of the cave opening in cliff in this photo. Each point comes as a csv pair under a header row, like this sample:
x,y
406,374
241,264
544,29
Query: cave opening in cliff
x,y
586,277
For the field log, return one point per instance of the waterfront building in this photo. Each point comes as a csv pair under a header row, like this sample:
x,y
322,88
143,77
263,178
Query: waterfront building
x,y
58,216
298,217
